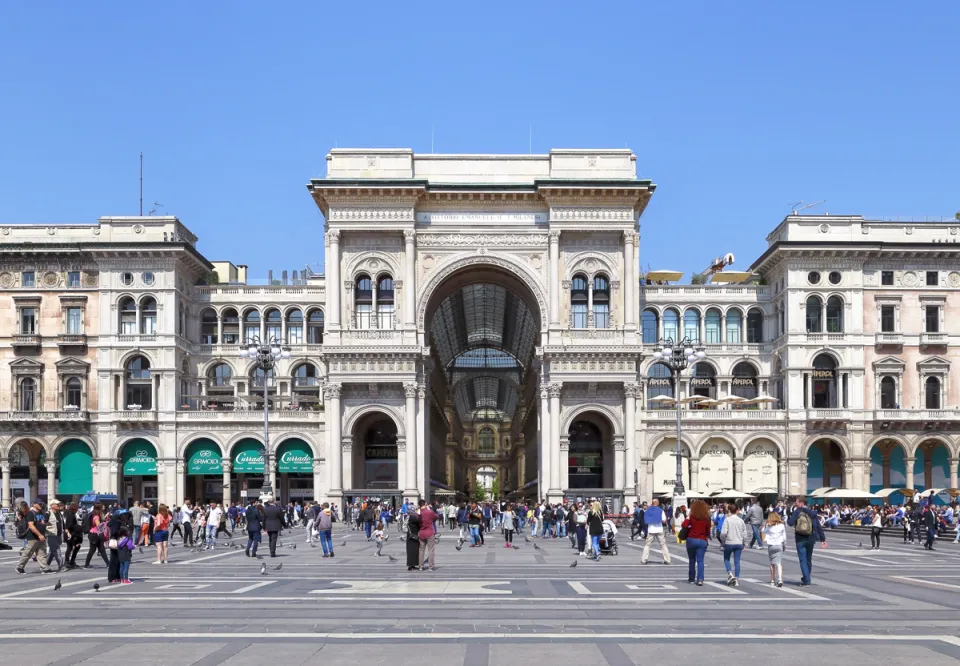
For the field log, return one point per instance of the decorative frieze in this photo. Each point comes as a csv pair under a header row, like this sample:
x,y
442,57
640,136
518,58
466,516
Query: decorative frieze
x,y
378,214
592,214
481,240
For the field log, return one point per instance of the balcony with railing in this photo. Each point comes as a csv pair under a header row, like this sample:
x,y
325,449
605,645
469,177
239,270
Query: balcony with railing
x,y
889,338
596,335
829,415
250,415
136,415
916,415
820,338
934,339
62,416
27,340
72,340
715,415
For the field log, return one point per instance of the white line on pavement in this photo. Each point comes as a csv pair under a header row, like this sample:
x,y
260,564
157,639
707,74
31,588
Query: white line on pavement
x,y
49,587
210,557
788,590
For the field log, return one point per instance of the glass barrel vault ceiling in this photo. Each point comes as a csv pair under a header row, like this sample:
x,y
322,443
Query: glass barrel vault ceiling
x,y
484,336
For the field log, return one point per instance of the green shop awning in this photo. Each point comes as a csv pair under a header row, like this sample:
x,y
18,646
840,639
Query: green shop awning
x,y
203,457
294,457
139,458
76,468
248,457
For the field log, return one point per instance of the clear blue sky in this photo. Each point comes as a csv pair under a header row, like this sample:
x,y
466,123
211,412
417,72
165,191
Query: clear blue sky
x,y
734,109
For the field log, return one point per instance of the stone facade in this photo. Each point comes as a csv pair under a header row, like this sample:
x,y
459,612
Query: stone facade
x,y
480,317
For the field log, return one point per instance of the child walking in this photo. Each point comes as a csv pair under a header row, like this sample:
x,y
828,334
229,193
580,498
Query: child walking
x,y
775,536
379,537
125,547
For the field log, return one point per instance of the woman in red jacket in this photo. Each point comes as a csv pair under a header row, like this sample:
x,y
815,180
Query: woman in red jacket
x,y
698,533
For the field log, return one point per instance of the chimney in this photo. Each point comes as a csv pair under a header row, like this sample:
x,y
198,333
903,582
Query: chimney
x,y
242,273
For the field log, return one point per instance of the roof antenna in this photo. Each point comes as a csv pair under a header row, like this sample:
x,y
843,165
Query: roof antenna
x,y
141,183
531,139
431,138
797,210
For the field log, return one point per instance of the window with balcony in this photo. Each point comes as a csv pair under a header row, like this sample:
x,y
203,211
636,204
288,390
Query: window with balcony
x,y
258,378
578,301
251,325
933,278
72,393
128,316
888,319
932,319
28,394
755,326
295,327
712,326
74,321
691,324
230,326
601,302
671,324
659,384
486,441
73,279
825,382
931,393
886,278
744,382
139,384
703,381
650,323
385,302
315,327
814,315
306,376
834,315
29,323
734,325
220,376
363,301
148,316
28,279
888,393
208,327
273,325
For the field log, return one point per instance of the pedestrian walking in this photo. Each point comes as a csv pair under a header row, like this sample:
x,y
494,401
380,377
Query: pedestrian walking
x,y
324,526
427,535
734,537
775,536
161,534
929,521
595,528
273,523
91,526
876,527
807,531
754,519
697,533
74,534
413,539
35,539
55,532
508,523
253,517
655,520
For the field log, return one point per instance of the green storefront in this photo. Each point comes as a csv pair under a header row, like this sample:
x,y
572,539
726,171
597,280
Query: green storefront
x,y
295,468
138,462
75,470
246,475
204,472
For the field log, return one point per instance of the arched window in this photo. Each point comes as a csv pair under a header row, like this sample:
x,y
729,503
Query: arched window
x,y
128,316
931,390
824,382
219,376
601,302
578,301
273,325
306,376
486,442
691,324
28,394
834,315
231,326
712,326
755,326
139,389
73,393
257,379
734,325
814,315
651,327
585,456
295,327
208,327
315,327
888,393
148,316
363,300
251,325
385,302
703,382
659,383
671,325
744,382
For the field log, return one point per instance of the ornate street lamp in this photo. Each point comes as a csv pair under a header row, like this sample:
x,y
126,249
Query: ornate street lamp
x,y
265,356
678,357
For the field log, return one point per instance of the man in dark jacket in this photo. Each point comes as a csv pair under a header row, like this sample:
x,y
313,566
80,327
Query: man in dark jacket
x,y
806,542
929,524
74,536
272,523
254,519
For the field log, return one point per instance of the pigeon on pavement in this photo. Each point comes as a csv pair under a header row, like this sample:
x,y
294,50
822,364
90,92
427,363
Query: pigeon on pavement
x,y
459,546
96,587
574,565
140,549
278,567
526,538
56,588
263,569
536,547
392,558
344,543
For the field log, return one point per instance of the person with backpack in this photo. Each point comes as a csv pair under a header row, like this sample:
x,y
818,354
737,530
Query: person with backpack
x,y
91,527
807,531
29,528
55,533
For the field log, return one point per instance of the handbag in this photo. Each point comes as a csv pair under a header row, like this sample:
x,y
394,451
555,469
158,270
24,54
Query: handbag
x,y
683,534
112,544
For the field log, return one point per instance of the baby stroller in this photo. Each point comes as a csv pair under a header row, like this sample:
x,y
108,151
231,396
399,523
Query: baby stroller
x,y
608,540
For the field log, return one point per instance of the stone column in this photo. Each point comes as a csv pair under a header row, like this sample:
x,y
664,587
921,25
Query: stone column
x,y
423,443
346,446
619,463
331,396
409,281
629,284
179,492
273,475
332,266
737,474
555,389
591,319
694,474
51,478
630,391
545,441
5,469
219,329
318,490
564,455
909,462
553,280
227,491
410,425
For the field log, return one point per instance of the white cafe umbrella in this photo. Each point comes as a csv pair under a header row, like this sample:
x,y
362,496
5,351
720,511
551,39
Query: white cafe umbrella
x,y
735,399
730,493
662,398
849,493
693,399
761,399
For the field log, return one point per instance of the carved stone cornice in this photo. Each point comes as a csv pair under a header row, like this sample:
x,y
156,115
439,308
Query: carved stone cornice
x,y
554,236
372,214
481,240
592,213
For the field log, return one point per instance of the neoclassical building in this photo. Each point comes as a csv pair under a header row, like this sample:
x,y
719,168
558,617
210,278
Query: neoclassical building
x,y
481,319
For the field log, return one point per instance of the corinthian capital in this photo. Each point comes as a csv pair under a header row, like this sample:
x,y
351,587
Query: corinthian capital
x,y
555,389
333,236
409,235
332,391
410,390
631,389
554,236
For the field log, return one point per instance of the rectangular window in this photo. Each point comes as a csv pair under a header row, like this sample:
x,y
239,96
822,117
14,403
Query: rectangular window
x,y
888,318
73,279
128,323
273,331
149,324
601,315
933,279
650,332
578,313
932,317
295,334
28,321
363,316
74,321
29,279
733,330
385,315
886,278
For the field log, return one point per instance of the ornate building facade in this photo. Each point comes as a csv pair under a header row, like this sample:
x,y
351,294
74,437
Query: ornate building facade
x,y
481,320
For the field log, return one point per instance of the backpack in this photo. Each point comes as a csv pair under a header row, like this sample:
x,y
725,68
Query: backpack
x,y
87,523
103,530
21,526
804,526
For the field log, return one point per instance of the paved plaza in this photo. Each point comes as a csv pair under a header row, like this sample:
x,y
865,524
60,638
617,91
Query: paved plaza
x,y
487,605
